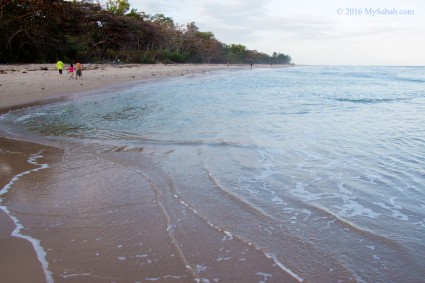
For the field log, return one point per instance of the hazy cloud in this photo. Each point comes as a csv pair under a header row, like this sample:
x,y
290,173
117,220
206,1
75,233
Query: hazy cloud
x,y
305,29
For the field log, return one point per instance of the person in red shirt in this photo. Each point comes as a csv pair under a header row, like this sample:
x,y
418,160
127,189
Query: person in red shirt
x,y
71,71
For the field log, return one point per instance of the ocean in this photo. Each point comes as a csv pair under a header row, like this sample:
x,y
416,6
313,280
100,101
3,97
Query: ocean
x,y
303,174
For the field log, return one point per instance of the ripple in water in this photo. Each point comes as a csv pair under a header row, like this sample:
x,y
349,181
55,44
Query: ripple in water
x,y
318,169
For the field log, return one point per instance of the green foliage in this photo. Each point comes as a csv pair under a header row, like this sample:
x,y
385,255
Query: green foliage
x,y
48,30
235,53
278,58
118,7
205,35
237,49
162,20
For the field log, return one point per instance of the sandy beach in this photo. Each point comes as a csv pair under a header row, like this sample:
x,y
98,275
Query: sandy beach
x,y
209,173
25,85
35,83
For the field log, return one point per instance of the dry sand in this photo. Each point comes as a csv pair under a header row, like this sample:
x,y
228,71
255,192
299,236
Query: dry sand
x,y
23,85
28,84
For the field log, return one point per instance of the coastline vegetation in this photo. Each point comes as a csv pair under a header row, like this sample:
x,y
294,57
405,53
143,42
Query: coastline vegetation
x,y
43,31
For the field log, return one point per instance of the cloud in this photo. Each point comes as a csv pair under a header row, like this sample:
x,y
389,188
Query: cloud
x,y
306,29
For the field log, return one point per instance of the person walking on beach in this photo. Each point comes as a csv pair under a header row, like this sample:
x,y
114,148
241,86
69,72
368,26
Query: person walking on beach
x,y
78,70
71,71
59,66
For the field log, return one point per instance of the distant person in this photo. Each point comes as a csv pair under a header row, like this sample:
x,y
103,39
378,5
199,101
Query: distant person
x,y
59,66
78,70
71,71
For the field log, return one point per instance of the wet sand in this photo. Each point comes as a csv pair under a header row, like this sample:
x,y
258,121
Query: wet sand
x,y
18,259
80,207
107,216
24,85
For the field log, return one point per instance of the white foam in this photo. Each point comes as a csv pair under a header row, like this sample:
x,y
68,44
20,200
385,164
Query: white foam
x,y
199,268
75,275
29,117
351,208
228,236
264,275
300,191
277,199
171,228
394,209
307,212
371,247
421,223
172,277
284,268
40,252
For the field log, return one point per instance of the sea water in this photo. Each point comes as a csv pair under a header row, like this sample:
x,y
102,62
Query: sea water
x,y
319,169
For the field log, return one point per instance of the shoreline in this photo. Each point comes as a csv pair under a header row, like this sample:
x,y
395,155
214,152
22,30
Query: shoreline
x,y
34,84
20,262
30,85
20,259
37,84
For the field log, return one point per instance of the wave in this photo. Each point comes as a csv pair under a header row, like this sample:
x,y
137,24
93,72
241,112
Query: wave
x,y
169,198
412,80
235,198
371,100
124,141
40,252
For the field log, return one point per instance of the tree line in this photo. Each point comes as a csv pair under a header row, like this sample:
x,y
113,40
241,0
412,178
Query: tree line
x,y
43,31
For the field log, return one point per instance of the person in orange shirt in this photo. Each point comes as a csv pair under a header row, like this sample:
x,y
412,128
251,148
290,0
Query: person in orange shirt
x,y
78,70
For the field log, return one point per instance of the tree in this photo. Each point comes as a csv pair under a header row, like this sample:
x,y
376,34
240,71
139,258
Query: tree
x,y
236,53
118,7
46,30
32,29
279,58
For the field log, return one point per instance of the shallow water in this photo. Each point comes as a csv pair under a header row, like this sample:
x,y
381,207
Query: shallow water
x,y
308,174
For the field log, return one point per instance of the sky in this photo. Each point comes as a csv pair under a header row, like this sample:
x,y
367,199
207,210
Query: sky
x,y
312,32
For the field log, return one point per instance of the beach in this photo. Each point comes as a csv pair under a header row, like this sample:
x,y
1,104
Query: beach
x,y
18,260
212,173
27,84
33,84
